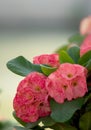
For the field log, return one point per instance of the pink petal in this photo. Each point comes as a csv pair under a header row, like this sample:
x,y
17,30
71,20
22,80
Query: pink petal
x,y
47,59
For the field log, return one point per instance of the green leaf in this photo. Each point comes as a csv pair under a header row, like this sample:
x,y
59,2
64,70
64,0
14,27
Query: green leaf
x,y
85,121
22,66
32,124
65,58
62,126
88,65
36,67
85,58
18,119
87,98
61,49
26,125
77,38
47,121
74,53
20,128
47,70
6,125
63,112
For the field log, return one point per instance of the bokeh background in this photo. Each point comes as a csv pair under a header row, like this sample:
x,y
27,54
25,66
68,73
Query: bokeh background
x,y
30,28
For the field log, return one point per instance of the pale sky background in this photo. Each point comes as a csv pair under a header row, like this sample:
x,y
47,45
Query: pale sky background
x,y
42,12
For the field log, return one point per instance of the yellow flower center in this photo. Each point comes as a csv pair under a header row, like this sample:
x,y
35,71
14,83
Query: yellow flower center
x,y
37,88
65,86
69,75
74,83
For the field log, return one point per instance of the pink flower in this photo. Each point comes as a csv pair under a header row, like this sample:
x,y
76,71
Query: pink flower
x,y
31,100
86,45
85,25
84,50
47,59
87,41
24,107
67,82
79,86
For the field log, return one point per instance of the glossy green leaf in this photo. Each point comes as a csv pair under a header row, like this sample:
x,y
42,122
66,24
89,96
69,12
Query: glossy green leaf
x,y
47,70
64,47
85,58
36,67
18,119
65,58
32,124
87,97
85,121
27,125
88,65
22,66
77,38
63,112
47,121
20,128
61,126
74,53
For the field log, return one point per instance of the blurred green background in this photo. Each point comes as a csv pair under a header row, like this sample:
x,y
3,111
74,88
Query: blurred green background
x,y
31,28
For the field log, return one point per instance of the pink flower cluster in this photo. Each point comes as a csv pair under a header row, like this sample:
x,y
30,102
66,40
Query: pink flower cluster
x,y
85,25
68,82
51,60
86,45
85,29
32,98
